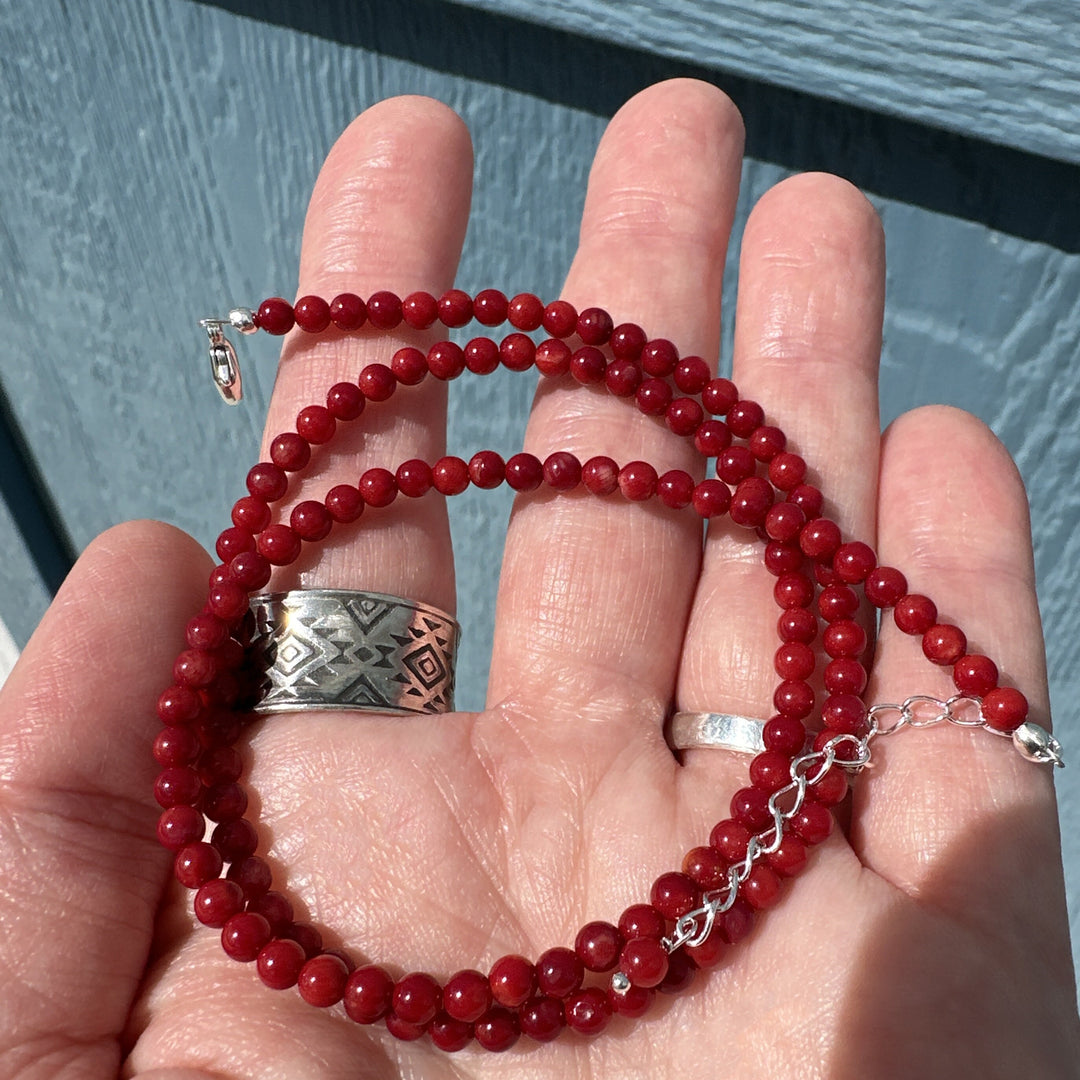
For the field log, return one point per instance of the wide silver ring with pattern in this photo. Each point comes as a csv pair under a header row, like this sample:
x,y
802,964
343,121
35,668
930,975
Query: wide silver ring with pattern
x,y
342,649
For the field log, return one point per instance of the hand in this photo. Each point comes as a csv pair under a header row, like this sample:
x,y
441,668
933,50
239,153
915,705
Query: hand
x,y
927,938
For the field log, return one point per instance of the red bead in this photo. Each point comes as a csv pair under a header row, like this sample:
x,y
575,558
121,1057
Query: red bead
x,y
369,994
322,980
770,771
854,561
797,624
179,826
316,424
844,713
275,316
277,911
378,487
251,514
944,643
467,996
384,310
719,395
588,1011
674,894
562,471
627,340
455,308
176,746
633,1003
244,935
844,638
659,358
675,489
832,787
267,481
644,961
787,471
794,698
744,418
487,469
730,838
734,464
311,520
490,307
653,397
542,1018
588,365
348,311
975,674
842,751
497,1030
784,522
290,451
512,980
448,1034
377,382
809,499
598,945
641,920
279,963
594,326
194,667
252,874
217,902
820,538
794,660
600,475
413,478
402,1030
177,786
845,675
711,498
622,378
420,310
813,822
417,998
446,360
884,586
552,358
344,503
481,356
559,972
525,312
306,936
789,858
837,602
637,481
1004,708
709,953
312,314
279,545
450,475
560,319
691,374
224,801
712,438
408,365
761,889
784,735
196,864
750,502
705,866
684,416
766,442
232,541
751,807
915,614
524,472
793,590
236,840
229,601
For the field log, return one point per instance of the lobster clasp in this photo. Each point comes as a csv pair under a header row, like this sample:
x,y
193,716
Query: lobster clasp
x,y
224,366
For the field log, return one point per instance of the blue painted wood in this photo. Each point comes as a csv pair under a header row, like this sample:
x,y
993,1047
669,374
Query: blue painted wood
x,y
1006,71
156,148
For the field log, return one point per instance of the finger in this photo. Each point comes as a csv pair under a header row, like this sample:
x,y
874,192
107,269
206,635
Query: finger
x,y
388,213
82,871
594,592
958,816
807,341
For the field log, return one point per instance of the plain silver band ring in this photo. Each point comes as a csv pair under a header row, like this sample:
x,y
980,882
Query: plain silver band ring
x,y
345,649
716,731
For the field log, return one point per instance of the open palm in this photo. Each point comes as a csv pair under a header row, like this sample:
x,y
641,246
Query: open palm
x,y
927,938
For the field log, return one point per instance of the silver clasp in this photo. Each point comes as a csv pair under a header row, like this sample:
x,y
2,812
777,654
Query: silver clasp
x,y
224,366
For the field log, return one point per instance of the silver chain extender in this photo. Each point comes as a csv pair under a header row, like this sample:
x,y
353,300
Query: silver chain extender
x,y
918,711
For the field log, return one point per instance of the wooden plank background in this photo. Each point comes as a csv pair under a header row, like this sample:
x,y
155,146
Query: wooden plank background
x,y
158,155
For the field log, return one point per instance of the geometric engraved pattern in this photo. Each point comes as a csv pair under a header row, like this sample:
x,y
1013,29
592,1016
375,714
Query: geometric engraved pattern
x,y
337,649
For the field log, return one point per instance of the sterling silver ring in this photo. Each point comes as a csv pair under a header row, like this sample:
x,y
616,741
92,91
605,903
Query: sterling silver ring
x,y
716,731
343,649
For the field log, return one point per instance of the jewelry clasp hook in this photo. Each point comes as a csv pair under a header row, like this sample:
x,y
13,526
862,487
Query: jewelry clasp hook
x,y
224,366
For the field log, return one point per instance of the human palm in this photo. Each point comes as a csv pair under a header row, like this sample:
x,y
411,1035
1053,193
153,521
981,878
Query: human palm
x,y
923,937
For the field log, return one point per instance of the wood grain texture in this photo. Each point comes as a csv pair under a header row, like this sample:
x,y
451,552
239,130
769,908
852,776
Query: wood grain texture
x,y
158,159
1006,71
